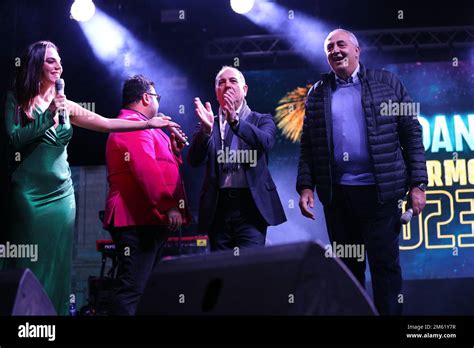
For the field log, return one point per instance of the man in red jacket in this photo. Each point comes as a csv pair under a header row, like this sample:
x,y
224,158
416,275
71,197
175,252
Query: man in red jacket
x,y
146,198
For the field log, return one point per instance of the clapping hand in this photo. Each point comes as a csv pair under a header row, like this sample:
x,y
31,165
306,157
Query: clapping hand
x,y
205,115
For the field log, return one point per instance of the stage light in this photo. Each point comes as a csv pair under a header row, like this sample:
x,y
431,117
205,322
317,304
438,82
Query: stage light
x,y
123,55
241,6
82,10
304,33
108,38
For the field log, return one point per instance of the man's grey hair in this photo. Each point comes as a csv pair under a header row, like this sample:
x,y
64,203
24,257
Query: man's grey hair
x,y
352,37
226,67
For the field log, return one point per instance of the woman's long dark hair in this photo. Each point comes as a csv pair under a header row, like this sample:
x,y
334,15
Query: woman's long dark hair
x,y
28,77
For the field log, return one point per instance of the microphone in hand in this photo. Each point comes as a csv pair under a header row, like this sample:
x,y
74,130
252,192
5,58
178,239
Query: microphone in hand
x,y
180,136
406,216
59,84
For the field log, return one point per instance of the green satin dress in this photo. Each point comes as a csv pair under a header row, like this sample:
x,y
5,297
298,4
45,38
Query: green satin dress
x,y
41,204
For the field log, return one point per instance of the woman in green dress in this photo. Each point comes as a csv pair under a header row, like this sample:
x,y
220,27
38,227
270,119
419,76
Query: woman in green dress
x,y
41,195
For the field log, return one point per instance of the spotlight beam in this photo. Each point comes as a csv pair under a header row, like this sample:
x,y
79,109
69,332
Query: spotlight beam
x,y
124,55
303,33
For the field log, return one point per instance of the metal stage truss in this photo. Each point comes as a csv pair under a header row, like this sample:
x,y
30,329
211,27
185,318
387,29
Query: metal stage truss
x,y
382,40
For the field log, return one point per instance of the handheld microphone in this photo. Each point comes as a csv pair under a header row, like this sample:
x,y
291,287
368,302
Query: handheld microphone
x,y
406,216
59,84
179,136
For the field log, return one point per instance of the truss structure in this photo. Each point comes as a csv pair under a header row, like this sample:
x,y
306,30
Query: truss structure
x,y
382,40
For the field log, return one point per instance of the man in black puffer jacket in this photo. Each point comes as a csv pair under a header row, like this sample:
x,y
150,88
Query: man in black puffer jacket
x,y
362,149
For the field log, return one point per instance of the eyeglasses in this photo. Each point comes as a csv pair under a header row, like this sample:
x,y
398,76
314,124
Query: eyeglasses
x,y
158,97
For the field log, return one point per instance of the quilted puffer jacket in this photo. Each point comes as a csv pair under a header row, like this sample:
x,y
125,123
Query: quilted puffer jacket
x,y
395,142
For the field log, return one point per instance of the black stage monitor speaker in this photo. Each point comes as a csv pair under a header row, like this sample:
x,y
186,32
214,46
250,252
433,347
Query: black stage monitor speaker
x,y
292,279
22,294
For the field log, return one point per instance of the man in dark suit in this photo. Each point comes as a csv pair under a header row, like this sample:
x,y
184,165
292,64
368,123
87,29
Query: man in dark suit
x,y
238,198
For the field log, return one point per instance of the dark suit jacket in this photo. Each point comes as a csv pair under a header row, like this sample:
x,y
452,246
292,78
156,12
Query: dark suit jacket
x,y
257,132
